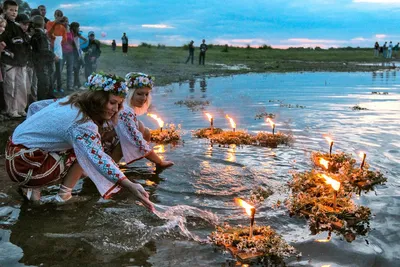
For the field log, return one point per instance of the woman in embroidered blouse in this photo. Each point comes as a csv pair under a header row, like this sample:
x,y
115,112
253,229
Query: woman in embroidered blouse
x,y
63,140
132,134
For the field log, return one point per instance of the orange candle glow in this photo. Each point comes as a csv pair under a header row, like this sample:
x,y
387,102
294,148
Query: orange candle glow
x,y
272,125
250,210
324,163
211,119
233,124
159,120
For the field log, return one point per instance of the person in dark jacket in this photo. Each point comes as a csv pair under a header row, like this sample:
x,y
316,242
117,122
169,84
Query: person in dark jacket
x,y
43,59
191,52
92,53
114,45
203,49
14,60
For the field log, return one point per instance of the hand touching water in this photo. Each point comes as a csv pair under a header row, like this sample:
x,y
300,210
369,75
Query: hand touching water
x,y
139,192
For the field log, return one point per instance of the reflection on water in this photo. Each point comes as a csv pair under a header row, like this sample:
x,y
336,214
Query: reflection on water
x,y
199,189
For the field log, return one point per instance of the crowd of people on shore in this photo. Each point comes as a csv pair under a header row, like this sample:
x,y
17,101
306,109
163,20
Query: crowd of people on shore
x,y
84,134
34,51
387,50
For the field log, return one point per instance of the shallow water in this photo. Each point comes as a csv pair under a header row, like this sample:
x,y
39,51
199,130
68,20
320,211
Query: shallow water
x,y
198,191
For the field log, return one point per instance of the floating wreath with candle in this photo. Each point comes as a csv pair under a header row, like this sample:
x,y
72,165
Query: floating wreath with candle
x,y
354,177
265,244
327,207
164,135
239,137
254,242
169,134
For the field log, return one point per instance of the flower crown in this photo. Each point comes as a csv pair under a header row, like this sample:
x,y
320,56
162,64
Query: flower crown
x,y
139,80
107,82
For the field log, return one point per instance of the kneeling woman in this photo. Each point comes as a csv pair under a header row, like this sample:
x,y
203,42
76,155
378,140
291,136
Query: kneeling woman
x,y
132,134
62,141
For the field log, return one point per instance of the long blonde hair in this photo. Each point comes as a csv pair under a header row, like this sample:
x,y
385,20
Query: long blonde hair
x,y
138,110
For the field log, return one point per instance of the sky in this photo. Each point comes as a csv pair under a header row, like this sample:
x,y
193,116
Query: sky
x,y
281,24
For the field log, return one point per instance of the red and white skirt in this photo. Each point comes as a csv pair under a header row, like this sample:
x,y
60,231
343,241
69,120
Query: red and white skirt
x,y
33,167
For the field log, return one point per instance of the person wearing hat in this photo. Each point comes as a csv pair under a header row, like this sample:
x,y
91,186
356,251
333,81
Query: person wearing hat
x,y
191,52
92,53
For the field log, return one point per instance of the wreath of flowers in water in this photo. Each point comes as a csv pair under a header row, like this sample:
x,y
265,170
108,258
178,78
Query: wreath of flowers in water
x,y
139,80
107,82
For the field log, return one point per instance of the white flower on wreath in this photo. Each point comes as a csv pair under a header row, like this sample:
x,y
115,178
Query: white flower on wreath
x,y
145,80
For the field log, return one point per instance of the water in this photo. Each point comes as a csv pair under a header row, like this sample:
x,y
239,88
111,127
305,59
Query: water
x,y
199,191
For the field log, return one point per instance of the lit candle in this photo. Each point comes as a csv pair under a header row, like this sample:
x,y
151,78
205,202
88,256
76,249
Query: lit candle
x,y
233,124
324,163
250,210
160,121
362,156
272,125
211,119
335,185
330,141
325,240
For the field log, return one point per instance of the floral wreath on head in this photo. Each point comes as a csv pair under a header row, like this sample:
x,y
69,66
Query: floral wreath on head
x,y
107,82
139,80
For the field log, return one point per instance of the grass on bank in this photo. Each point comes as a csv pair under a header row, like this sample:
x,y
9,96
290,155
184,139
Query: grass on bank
x,y
168,63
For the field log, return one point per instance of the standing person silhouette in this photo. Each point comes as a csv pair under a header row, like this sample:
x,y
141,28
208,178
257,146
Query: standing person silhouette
x,y
191,52
203,49
125,43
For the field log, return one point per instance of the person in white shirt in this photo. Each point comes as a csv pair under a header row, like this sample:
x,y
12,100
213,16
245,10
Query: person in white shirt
x,y
62,141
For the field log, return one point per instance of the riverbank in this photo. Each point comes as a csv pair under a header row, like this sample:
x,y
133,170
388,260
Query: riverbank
x,y
168,64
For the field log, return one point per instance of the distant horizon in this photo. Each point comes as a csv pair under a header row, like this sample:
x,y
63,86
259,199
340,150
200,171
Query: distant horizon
x,y
108,42
277,23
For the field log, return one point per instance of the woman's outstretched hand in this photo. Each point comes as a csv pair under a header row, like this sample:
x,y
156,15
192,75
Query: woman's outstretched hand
x,y
142,195
139,192
165,164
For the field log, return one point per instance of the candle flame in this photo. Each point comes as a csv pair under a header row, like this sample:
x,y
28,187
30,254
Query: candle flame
x,y
245,205
150,183
362,155
324,163
159,120
233,124
209,116
330,141
323,240
271,122
327,265
335,184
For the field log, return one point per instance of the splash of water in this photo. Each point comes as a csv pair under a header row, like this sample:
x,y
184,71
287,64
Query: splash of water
x,y
176,217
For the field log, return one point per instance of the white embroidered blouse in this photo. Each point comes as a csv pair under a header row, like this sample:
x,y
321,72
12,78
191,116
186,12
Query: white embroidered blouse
x,y
56,128
133,145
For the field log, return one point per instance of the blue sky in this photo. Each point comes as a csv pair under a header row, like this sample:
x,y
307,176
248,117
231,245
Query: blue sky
x,y
324,23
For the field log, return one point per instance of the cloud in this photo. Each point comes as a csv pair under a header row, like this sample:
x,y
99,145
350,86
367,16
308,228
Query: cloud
x,y
253,42
313,41
89,28
359,39
66,6
380,36
157,26
396,2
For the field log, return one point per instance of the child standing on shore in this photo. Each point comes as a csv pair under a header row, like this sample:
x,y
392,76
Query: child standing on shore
x,y
43,59
14,63
3,24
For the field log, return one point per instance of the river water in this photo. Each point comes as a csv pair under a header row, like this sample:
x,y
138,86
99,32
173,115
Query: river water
x,y
198,192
